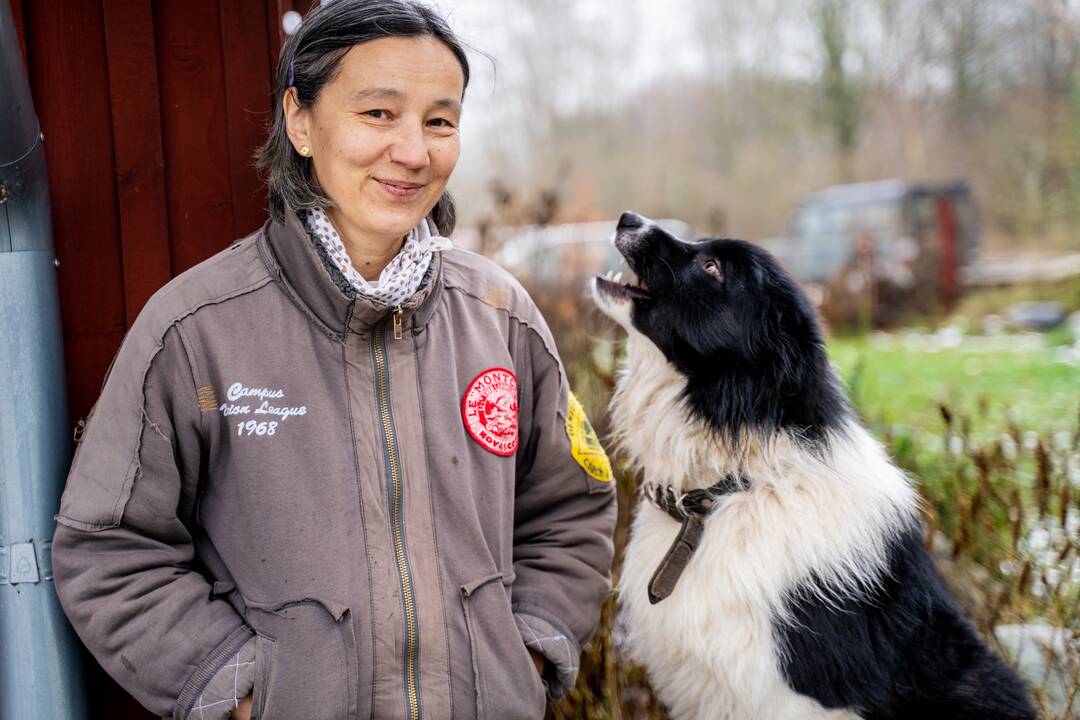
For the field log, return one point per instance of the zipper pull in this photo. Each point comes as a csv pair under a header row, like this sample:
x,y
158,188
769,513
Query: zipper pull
x,y
398,312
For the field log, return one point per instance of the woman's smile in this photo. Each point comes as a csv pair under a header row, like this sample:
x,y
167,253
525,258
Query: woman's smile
x,y
400,189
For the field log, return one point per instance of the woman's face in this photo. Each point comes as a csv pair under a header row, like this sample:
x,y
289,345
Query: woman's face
x,y
384,133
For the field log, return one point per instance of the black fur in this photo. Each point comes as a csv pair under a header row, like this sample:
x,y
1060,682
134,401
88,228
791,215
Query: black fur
x,y
903,651
753,353
749,345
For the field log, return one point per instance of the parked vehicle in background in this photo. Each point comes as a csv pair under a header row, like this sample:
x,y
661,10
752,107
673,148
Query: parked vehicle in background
x,y
878,251
869,253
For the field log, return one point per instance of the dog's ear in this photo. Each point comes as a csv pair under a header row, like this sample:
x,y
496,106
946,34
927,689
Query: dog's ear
x,y
782,348
792,333
760,276
699,345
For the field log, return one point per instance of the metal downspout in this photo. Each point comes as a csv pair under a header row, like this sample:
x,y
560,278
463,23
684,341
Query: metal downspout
x,y
40,667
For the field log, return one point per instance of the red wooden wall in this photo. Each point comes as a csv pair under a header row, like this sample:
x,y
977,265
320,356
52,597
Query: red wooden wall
x,y
151,112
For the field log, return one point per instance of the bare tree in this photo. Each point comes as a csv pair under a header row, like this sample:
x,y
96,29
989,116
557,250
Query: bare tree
x,y
839,89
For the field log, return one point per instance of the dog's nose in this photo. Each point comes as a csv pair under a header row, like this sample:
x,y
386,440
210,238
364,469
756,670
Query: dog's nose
x,y
629,221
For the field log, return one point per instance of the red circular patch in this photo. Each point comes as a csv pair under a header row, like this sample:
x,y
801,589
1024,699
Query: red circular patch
x,y
490,411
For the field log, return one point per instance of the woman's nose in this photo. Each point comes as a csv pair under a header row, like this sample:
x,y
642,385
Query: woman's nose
x,y
410,149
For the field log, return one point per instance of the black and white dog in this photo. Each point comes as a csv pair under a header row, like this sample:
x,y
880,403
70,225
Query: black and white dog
x,y
810,593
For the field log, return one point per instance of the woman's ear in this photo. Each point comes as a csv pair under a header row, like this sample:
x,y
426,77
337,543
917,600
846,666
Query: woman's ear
x,y
297,119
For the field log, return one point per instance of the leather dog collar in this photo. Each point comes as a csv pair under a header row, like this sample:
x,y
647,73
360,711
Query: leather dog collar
x,y
691,509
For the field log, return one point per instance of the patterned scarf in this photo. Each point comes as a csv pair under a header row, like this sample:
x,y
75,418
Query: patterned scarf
x,y
401,278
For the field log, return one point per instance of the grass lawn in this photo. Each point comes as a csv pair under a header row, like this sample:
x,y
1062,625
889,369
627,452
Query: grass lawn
x,y
900,380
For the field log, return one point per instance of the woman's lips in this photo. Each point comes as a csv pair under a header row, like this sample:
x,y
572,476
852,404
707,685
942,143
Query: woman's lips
x,y
403,190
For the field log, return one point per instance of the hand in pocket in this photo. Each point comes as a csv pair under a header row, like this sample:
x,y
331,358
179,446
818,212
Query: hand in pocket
x,y
243,710
538,661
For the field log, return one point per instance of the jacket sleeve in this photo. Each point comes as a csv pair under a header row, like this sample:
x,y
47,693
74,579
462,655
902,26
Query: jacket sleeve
x,y
564,519
122,553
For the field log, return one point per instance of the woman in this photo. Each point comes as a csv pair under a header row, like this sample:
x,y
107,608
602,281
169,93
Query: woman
x,y
336,470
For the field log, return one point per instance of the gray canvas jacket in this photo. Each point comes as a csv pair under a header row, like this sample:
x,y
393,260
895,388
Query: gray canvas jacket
x,y
365,511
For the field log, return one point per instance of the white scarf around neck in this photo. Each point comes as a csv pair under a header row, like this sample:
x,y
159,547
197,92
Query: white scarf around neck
x,y
402,276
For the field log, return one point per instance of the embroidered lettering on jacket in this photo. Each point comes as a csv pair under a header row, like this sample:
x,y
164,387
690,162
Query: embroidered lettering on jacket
x,y
258,402
237,391
490,411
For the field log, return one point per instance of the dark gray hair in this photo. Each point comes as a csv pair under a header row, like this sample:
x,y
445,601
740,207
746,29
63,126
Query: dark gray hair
x,y
310,59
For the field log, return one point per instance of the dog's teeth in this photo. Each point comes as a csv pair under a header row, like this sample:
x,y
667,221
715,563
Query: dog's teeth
x,y
618,277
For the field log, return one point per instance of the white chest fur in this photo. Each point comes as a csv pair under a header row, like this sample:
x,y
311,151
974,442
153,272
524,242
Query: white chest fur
x,y
709,647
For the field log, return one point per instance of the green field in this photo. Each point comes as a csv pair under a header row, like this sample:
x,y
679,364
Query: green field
x,y
902,380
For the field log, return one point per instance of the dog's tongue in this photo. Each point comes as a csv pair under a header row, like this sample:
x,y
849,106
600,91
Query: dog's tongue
x,y
635,281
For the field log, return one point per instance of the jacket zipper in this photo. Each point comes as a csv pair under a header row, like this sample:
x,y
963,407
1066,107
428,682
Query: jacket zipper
x,y
395,493
398,312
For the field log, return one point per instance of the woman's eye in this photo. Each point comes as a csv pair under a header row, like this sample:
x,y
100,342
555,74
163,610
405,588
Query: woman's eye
x,y
442,122
377,114
713,268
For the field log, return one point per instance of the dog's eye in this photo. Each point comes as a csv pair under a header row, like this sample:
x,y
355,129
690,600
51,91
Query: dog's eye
x,y
713,268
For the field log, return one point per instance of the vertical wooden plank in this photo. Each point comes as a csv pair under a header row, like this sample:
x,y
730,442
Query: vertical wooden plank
x,y
247,106
275,34
71,95
140,172
194,130
275,10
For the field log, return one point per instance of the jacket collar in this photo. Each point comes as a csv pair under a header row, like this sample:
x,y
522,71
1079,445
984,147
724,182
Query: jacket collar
x,y
290,256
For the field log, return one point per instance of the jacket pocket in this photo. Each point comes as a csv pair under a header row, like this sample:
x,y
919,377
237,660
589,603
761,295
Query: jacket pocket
x,y
305,660
93,498
264,652
106,459
508,687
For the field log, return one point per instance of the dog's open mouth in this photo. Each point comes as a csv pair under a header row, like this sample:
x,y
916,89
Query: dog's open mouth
x,y
613,286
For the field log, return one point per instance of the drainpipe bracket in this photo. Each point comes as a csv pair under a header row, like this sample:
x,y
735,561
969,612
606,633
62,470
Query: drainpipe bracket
x,y
19,563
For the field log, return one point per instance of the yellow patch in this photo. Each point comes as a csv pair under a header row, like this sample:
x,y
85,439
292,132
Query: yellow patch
x,y
584,445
